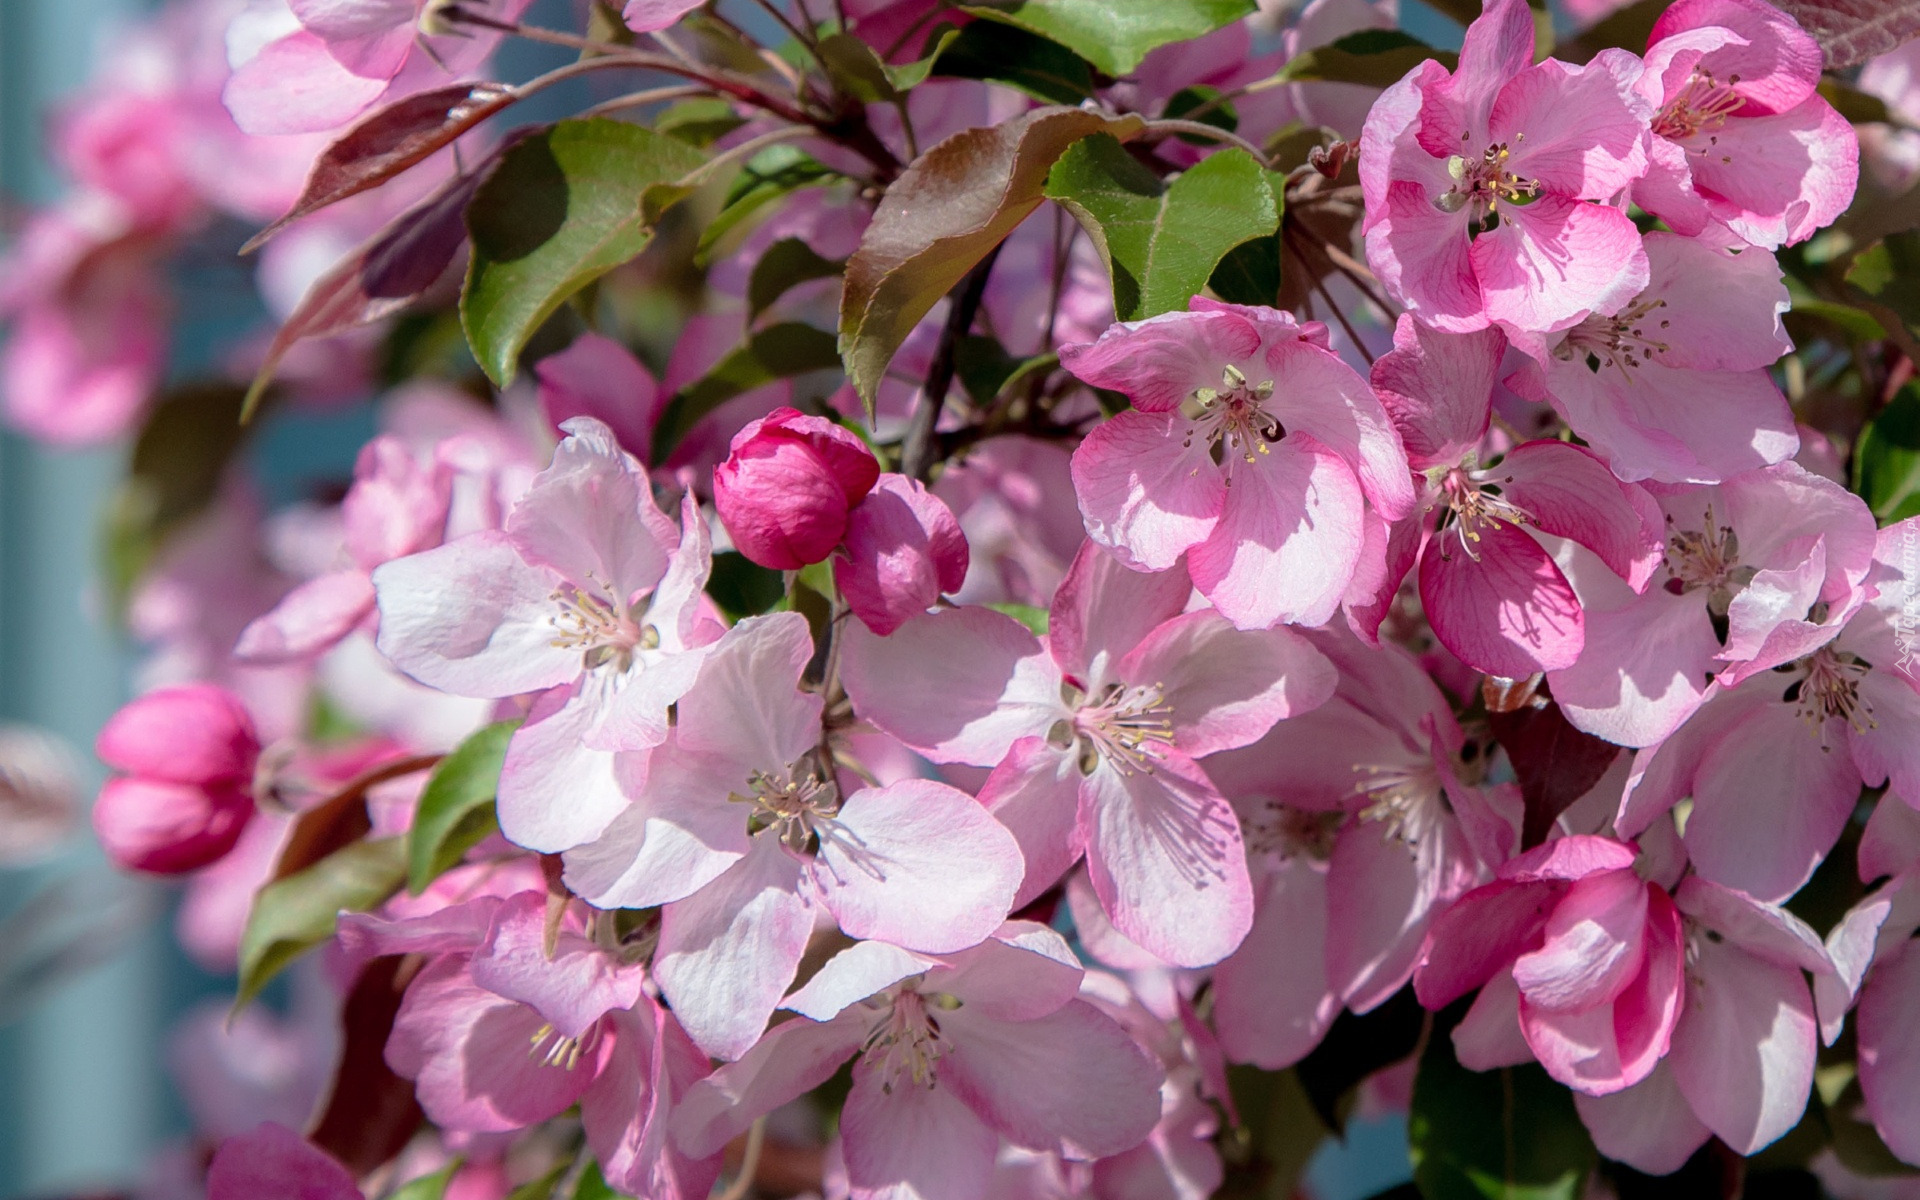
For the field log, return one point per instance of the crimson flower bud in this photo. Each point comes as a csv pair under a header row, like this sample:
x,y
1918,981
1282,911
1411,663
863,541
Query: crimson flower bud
x,y
166,827
787,486
195,734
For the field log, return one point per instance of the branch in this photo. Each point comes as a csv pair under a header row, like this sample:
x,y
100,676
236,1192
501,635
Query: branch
x,y
916,459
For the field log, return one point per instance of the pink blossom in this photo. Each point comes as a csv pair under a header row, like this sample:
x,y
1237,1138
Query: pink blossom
x,y
598,377
1013,497
321,63
1748,565
275,1161
903,550
397,506
1490,588
500,1034
1673,386
1093,737
189,755
744,833
1274,530
1478,183
647,16
590,597
1741,1060
1775,763
1364,820
788,486
1740,136
956,1052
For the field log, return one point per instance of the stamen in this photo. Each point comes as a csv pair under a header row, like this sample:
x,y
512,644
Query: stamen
x,y
1622,341
1407,798
908,1039
1481,183
1831,688
1129,728
1703,104
1232,418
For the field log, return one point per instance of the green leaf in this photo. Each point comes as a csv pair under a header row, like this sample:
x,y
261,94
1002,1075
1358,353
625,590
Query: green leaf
x,y
428,1187
541,1188
593,1185
700,121
1007,54
777,352
1853,104
1886,460
787,263
1250,272
1509,1134
773,174
456,807
292,915
1373,57
858,71
1161,241
945,213
1278,1133
1114,35
1033,617
562,208
742,587
911,75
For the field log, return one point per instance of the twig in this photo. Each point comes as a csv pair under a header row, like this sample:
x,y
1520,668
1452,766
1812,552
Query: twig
x,y
1202,129
915,459
648,96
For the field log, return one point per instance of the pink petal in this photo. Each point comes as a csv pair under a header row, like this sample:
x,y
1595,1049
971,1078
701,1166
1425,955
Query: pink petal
x,y
295,86
572,987
1320,396
1072,1081
791,1060
997,684
1035,794
591,517
1776,62
913,1141
1166,859
1649,1126
1766,931
1775,180
1023,972
861,970
1889,1032
1424,259
1383,893
472,618
1580,131
1569,493
1145,493
1489,1036
1505,609
650,16
919,864
1743,1054
466,1048
677,835
1553,261
309,620
1642,671
1438,387
1159,362
1477,936
599,377
1228,686
1718,311
625,1112
1593,945
275,1161
555,792
1498,46
903,549
728,952
1288,538
1104,609
1271,1001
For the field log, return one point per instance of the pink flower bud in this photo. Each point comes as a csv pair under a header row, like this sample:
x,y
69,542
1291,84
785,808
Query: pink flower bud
x,y
166,828
904,548
195,734
787,486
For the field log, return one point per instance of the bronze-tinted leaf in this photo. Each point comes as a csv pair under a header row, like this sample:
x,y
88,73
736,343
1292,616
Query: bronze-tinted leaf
x,y
1556,763
370,1114
947,210
1853,31
387,142
379,279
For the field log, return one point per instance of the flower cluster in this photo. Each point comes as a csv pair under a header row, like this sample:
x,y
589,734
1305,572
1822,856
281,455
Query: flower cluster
x,y
1009,747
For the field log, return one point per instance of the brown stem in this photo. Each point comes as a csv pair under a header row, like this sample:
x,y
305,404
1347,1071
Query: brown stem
x,y
916,459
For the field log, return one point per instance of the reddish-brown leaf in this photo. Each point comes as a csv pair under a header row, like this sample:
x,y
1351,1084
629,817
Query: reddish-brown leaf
x,y
943,215
389,141
1556,763
341,818
370,1114
1853,31
383,276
